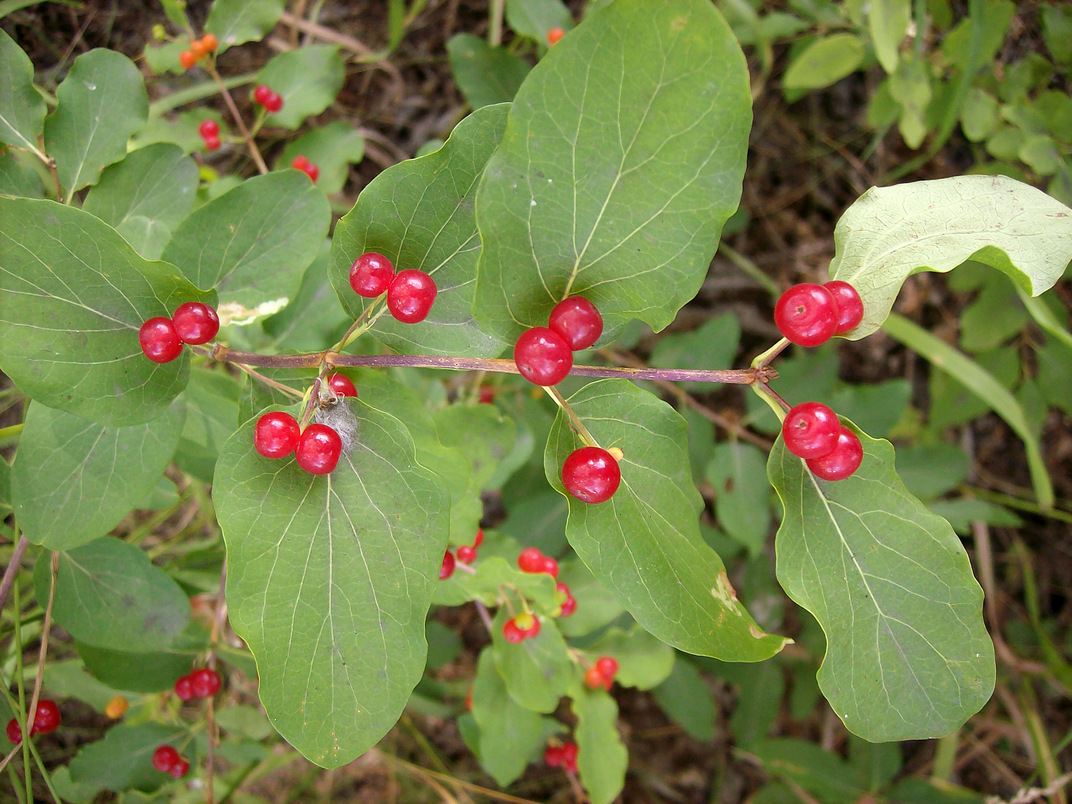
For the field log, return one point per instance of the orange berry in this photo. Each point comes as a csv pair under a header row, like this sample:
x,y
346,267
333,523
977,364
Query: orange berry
x,y
197,47
210,42
554,35
187,59
116,707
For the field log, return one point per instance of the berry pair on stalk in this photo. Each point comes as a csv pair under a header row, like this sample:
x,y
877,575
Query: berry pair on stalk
x,y
201,683
544,355
534,561
812,431
561,756
210,133
810,314
316,449
410,293
602,673
167,760
162,338
199,48
264,96
310,169
46,720
466,555
525,625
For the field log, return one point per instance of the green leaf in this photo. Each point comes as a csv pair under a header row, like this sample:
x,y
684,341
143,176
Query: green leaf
x,y
931,471
876,764
122,760
534,18
981,383
253,243
22,109
481,432
19,178
622,158
314,318
494,572
333,148
907,655
979,114
144,672
211,413
975,41
102,101
825,61
687,700
110,596
486,74
73,295
937,225
234,22
509,733
146,196
742,494
69,469
419,214
821,773
876,407
308,79
330,578
644,662
539,670
596,607
911,87
754,717
601,757
887,23
644,543
1057,32
67,678
960,513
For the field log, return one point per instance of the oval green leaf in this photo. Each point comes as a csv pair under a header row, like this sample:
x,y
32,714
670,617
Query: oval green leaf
x,y
419,214
890,233
486,74
538,671
307,78
73,294
823,62
644,543
622,158
22,109
330,578
602,758
122,759
908,656
234,22
333,148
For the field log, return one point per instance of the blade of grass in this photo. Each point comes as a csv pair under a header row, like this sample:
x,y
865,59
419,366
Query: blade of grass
x,y
1044,317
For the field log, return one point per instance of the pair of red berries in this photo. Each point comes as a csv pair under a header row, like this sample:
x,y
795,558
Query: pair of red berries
x,y
46,720
809,314
524,626
812,431
410,293
162,338
466,555
591,474
310,169
602,673
210,133
569,602
562,756
264,96
316,449
544,355
201,683
167,760
532,560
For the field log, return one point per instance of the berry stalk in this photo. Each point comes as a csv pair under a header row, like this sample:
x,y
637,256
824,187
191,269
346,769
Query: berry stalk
x,y
253,149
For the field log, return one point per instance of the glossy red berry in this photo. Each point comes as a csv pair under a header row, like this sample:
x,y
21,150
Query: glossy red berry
x,y
208,128
466,554
530,560
273,103
554,35
179,769
479,538
550,566
810,430
591,475
569,757
578,322
312,170
184,688
300,163
276,434
840,463
542,356
568,607
262,93
607,667
593,679
806,314
205,682
511,633
553,756
195,323
14,733
410,295
341,385
46,718
165,758
446,569
318,449
212,144
849,304
371,275
159,341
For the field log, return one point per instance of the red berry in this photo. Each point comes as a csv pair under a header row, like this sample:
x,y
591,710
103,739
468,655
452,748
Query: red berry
x,y
187,59
578,322
530,560
159,340
554,35
14,733
845,458
543,356
184,688
318,449
273,103
607,667
466,554
341,385
210,42
205,682
553,756
312,170
208,128
195,323
261,94
591,474
479,538
487,394
512,634
300,163
179,769
527,624
446,569
410,295
550,566
165,758
593,679
806,314
849,304
276,434
810,430
212,144
469,700
569,757
46,718
568,607
371,275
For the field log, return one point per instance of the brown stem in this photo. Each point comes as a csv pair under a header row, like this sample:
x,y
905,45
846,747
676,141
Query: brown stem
x,y
253,149
12,569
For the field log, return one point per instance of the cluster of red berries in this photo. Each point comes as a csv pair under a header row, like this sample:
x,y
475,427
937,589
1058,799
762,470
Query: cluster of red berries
x,y
592,474
602,673
810,314
210,133
561,756
201,683
466,555
46,719
316,449
264,96
310,169
410,293
569,602
554,35
812,431
544,355
525,625
162,338
167,760
199,48
532,560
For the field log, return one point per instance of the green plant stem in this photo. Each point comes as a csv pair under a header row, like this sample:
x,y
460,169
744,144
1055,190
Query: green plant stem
x,y
750,268
764,358
361,325
945,756
10,431
12,569
575,420
495,23
774,402
196,93
1019,504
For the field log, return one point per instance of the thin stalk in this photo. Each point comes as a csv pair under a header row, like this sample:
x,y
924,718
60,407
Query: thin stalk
x,y
12,569
775,402
764,358
495,23
361,325
253,149
11,431
750,268
196,93
575,420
